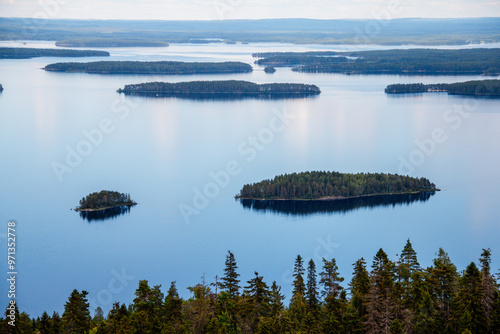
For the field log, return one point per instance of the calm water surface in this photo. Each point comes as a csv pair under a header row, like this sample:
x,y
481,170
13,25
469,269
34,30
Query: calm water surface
x,y
165,152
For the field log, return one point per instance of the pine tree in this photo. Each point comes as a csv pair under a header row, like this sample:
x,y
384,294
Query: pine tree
x,y
469,312
298,302
442,280
76,317
45,322
488,285
229,282
312,288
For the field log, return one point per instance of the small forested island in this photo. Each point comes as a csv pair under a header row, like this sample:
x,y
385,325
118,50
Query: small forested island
x,y
333,186
413,61
1,88
110,43
269,69
151,67
476,88
220,89
104,200
25,53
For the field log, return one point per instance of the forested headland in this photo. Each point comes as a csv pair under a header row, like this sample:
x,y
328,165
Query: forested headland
x,y
103,200
220,89
110,43
476,88
392,295
1,88
333,186
24,53
151,67
413,61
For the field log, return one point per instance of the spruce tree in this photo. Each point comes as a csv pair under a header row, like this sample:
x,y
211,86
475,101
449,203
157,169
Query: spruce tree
x,y
298,302
229,282
312,288
44,325
469,312
76,317
488,284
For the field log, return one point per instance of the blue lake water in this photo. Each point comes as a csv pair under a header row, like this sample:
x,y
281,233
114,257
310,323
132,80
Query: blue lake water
x,y
63,136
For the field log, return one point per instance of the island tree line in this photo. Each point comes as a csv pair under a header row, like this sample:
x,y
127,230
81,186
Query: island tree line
x,y
389,297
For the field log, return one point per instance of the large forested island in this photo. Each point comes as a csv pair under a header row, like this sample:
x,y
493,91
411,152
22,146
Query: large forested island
x,y
110,42
24,53
151,67
476,88
412,61
104,200
220,89
333,186
393,294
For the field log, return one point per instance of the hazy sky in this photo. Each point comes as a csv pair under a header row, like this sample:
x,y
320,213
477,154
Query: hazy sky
x,y
246,9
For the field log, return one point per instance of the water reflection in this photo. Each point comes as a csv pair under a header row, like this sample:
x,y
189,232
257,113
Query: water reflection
x,y
102,215
302,208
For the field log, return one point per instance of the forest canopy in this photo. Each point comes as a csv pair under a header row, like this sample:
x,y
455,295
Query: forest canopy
x,y
476,88
103,200
412,61
24,53
220,89
392,294
151,67
333,185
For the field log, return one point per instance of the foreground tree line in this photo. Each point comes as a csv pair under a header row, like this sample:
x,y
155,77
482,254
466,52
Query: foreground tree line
x,y
392,297
319,185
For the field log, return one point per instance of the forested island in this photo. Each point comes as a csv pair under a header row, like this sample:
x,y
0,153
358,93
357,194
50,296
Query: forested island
x,y
1,88
475,88
394,294
269,69
220,89
151,67
413,61
110,43
104,200
333,186
25,53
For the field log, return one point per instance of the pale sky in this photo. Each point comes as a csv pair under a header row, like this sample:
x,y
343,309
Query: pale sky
x,y
246,9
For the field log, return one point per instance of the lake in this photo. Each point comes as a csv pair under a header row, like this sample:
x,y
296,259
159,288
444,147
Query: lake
x,y
65,135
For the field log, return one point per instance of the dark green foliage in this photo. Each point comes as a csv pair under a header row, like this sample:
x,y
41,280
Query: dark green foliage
x,y
76,317
469,311
413,61
151,67
396,297
269,69
220,89
23,53
289,59
230,282
333,185
477,88
105,199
